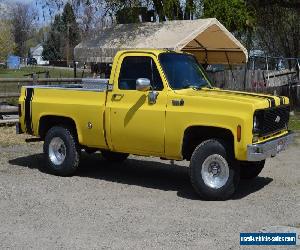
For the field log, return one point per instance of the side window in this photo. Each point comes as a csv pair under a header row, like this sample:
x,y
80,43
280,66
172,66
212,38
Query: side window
x,y
134,67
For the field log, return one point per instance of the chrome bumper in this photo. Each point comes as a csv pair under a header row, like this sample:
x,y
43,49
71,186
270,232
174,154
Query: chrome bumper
x,y
261,151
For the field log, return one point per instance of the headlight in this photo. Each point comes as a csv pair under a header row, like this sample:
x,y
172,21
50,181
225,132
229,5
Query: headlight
x,y
255,122
258,121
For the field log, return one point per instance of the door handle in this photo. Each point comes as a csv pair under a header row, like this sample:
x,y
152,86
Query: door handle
x,y
117,97
152,97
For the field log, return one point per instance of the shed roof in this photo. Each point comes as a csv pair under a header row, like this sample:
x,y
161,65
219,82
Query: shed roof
x,y
207,39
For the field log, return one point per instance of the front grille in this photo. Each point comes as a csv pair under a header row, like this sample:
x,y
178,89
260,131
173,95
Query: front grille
x,y
275,119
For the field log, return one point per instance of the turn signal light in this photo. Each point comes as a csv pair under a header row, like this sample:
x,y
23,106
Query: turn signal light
x,y
239,133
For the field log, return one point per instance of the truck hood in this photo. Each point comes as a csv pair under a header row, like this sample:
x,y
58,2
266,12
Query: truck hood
x,y
259,101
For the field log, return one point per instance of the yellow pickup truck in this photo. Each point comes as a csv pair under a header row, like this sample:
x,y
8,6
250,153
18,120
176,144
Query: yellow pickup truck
x,y
158,103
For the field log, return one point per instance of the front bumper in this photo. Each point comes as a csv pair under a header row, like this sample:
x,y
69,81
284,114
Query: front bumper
x,y
261,151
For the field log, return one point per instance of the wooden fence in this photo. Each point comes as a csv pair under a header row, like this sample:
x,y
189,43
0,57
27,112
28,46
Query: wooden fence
x,y
40,80
250,80
18,82
260,81
9,113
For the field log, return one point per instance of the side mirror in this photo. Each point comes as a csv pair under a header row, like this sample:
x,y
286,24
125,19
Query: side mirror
x,y
143,84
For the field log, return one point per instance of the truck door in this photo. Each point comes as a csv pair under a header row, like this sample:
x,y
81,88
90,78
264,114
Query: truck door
x,y
137,126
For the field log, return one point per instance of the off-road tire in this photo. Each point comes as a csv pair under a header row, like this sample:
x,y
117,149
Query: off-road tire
x,y
250,170
114,156
72,151
205,150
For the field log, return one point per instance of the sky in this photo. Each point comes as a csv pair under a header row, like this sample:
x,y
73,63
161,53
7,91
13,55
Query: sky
x,y
15,1
23,1
43,15
41,21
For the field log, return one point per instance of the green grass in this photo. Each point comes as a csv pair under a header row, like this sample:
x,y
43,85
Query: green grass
x,y
294,123
11,101
19,73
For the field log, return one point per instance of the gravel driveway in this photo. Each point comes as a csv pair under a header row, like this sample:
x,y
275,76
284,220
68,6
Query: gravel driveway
x,y
141,203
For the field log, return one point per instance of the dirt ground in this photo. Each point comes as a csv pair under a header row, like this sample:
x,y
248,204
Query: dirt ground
x,y
143,203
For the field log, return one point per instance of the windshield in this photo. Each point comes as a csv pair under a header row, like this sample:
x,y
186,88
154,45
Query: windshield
x,y
183,71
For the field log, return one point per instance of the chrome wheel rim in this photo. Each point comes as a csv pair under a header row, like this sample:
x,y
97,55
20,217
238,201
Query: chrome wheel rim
x,y
57,151
215,171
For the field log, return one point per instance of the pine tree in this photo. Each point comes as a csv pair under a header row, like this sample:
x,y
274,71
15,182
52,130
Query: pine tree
x,y
63,36
71,31
53,47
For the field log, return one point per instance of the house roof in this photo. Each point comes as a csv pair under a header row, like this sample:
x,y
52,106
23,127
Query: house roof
x,y
37,50
207,39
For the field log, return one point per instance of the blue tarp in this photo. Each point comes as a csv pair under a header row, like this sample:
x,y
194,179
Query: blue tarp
x,y
13,62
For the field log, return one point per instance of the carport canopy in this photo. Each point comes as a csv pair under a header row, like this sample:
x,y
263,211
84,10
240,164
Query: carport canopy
x,y
207,39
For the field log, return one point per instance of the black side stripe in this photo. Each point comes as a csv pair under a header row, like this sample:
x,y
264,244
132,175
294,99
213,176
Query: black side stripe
x,y
28,120
281,100
270,99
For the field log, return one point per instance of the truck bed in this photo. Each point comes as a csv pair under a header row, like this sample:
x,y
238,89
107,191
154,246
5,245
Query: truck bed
x,y
84,103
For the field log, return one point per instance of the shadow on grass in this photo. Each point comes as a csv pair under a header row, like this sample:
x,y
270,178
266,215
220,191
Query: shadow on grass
x,y
144,173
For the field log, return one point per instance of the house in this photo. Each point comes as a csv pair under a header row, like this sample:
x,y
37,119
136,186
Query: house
x,y
36,52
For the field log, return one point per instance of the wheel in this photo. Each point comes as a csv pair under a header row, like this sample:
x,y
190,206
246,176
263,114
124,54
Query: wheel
x,y
114,156
61,151
213,171
250,170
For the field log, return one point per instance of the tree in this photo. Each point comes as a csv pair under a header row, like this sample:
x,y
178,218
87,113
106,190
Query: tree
x,y
22,19
53,47
189,10
235,15
4,9
278,27
172,10
71,30
295,4
64,35
166,9
87,20
7,44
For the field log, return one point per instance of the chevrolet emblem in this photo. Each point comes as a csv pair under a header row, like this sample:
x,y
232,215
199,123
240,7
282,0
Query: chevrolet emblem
x,y
277,119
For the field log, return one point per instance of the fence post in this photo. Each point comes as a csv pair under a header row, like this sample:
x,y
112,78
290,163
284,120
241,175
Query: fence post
x,y
245,75
75,68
